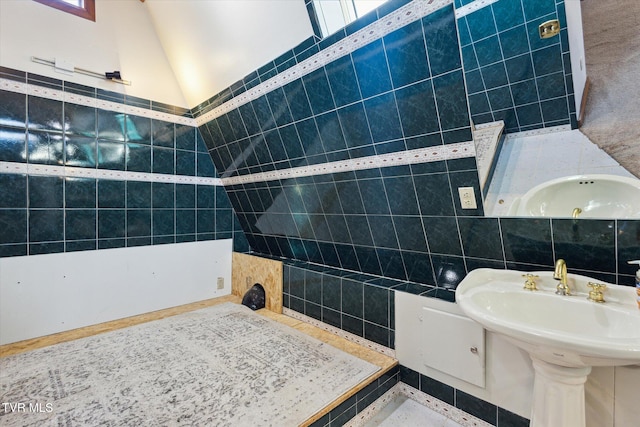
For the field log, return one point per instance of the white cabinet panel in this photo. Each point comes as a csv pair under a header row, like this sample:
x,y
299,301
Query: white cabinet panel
x,y
434,336
507,379
453,345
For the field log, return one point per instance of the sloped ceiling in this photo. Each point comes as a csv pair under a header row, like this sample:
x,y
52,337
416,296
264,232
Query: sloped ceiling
x,y
211,44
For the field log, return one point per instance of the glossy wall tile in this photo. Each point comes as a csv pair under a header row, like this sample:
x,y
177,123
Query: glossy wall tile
x,y
405,90
472,405
380,99
511,73
48,212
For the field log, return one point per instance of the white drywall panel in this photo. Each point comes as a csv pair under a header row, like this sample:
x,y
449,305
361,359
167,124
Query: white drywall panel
x,y
45,294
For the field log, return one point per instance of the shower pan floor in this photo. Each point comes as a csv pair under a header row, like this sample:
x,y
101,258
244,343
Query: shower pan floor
x,y
403,411
404,406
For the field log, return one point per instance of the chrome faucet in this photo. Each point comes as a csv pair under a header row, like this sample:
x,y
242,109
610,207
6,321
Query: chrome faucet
x,y
560,273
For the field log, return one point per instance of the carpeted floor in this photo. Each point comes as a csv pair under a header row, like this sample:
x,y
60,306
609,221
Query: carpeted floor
x,y
219,366
612,50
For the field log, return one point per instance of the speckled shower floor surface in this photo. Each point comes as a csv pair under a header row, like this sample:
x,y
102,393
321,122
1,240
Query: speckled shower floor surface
x,y
402,411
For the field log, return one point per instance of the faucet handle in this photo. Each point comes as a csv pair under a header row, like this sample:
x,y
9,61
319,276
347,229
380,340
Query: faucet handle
x,y
530,282
597,292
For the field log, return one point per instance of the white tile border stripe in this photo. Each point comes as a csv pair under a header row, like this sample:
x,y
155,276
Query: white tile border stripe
x,y
402,16
472,7
443,408
541,131
75,172
420,155
361,419
88,101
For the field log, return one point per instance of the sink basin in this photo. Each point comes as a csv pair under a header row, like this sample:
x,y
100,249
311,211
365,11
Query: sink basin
x,y
564,330
596,195
565,335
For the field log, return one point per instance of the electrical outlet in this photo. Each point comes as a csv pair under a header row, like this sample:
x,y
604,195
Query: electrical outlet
x,y
220,282
467,198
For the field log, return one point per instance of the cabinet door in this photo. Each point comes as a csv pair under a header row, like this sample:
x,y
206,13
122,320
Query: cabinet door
x,y
454,345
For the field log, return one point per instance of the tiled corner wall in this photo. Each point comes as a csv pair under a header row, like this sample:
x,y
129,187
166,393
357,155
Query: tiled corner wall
x,y
511,73
84,169
338,301
362,304
357,303
399,89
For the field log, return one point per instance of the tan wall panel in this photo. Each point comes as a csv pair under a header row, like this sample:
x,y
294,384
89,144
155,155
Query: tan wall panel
x,y
248,270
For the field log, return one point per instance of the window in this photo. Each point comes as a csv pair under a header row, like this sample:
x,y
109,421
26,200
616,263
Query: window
x,y
335,14
83,8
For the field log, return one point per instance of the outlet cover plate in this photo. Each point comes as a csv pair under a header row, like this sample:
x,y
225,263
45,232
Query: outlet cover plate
x,y
467,198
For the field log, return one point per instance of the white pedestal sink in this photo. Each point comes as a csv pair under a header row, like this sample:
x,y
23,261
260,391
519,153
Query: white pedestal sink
x,y
558,395
564,335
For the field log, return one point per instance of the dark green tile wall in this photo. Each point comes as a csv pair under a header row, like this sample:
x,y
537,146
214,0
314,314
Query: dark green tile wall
x,y
401,92
511,73
470,404
46,214
385,97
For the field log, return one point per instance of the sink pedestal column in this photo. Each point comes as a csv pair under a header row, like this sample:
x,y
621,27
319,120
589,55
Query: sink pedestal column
x,y
558,395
